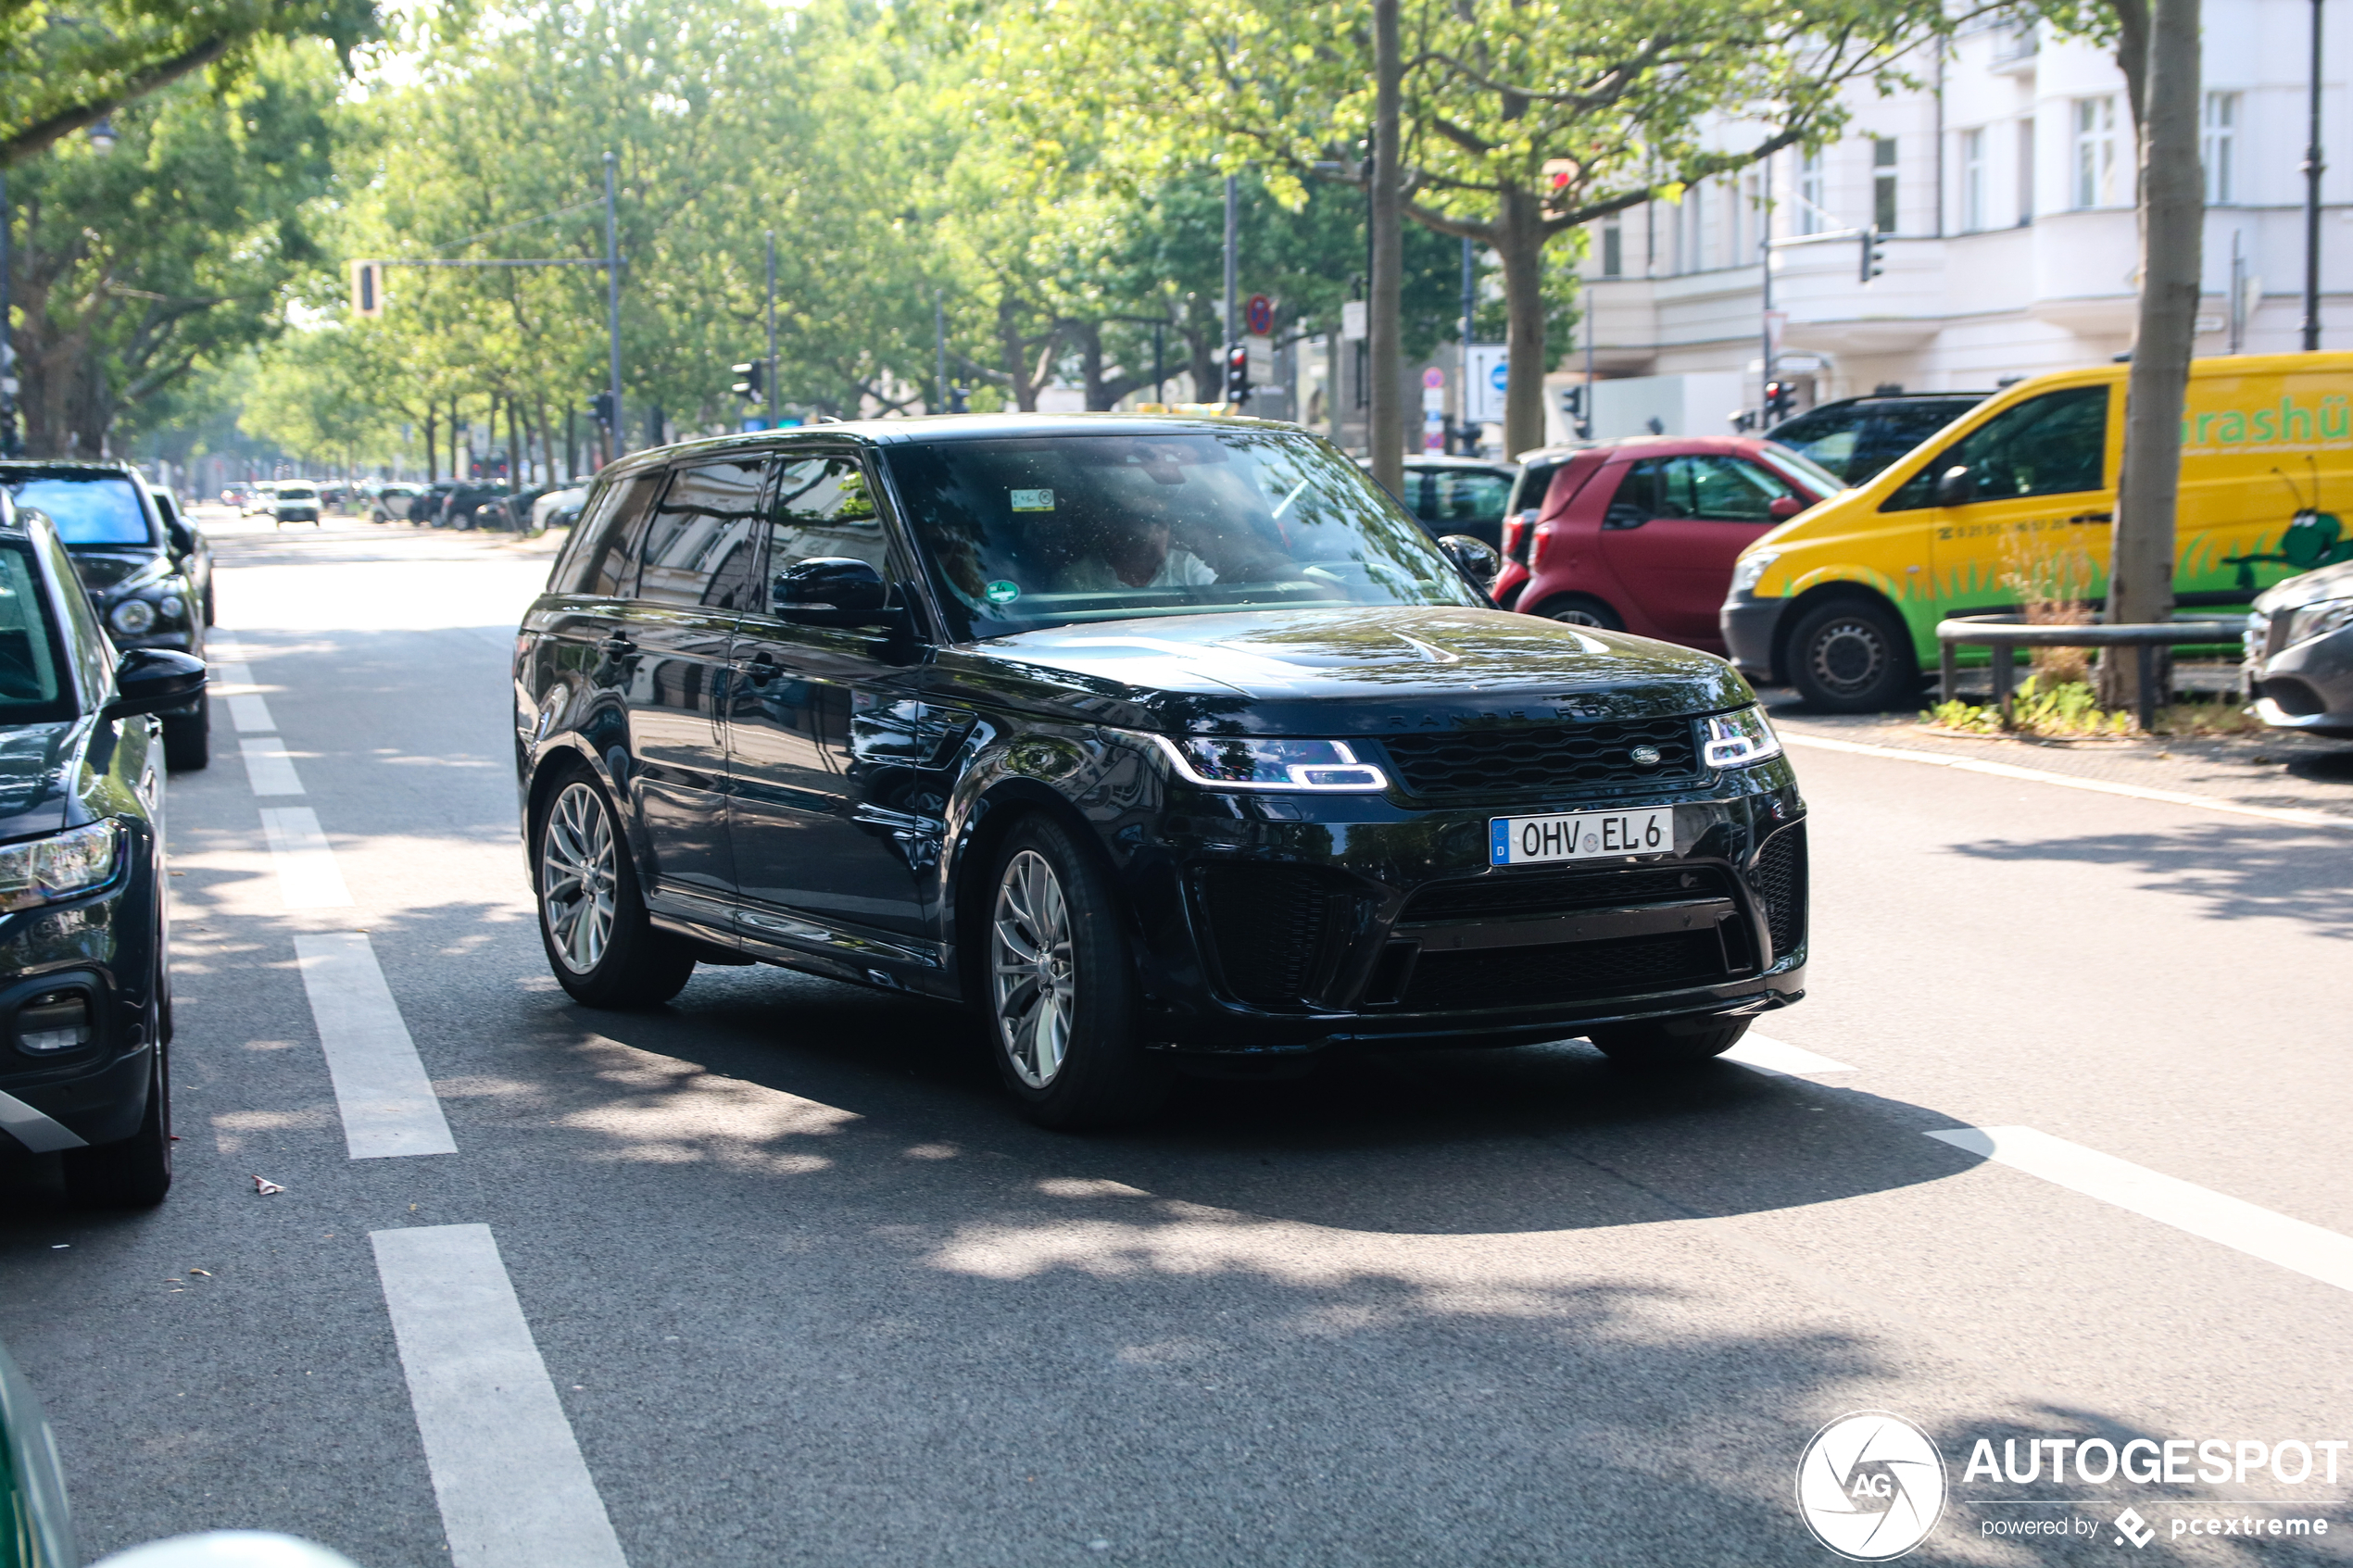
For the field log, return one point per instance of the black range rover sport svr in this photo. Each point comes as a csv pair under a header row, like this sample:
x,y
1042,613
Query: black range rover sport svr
x,y
1162,741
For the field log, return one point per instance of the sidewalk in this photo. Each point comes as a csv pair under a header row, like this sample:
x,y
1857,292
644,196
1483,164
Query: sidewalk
x,y
2276,770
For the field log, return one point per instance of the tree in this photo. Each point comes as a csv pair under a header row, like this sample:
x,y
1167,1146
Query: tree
x,y
133,266
64,70
1616,101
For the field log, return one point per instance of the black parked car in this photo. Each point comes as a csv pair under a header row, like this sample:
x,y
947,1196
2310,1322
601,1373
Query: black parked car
x,y
1167,743
85,994
470,505
1855,438
189,546
152,580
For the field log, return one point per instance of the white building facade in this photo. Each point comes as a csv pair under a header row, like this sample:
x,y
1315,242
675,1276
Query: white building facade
x,y
2005,192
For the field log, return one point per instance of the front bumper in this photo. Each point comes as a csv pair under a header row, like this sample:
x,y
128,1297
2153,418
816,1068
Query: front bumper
x,y
104,945
2308,687
1273,925
297,514
1749,624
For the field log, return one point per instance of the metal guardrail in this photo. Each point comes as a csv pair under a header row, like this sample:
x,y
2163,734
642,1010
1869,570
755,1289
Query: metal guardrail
x,y
2004,638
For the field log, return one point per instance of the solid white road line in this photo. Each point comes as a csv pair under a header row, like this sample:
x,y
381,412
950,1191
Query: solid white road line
x,y
268,768
1779,1056
236,685
34,1130
306,875
2307,1249
2036,775
387,1103
513,1489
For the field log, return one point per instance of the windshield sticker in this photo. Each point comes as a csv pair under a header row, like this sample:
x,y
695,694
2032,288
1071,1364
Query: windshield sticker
x,y
1002,591
1032,501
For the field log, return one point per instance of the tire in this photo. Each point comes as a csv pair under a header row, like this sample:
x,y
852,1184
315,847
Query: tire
x,y
1061,991
187,740
1853,655
136,1173
1580,609
1667,1043
592,918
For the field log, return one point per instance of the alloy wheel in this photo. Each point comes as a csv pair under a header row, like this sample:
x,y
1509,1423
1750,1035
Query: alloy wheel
x,y
1848,656
577,877
1579,616
1034,977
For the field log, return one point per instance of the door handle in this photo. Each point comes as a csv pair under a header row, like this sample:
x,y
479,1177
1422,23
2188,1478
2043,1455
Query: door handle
x,y
618,643
762,669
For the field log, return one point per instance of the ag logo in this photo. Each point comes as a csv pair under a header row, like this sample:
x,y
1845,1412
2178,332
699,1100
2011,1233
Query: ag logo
x,y
1870,1485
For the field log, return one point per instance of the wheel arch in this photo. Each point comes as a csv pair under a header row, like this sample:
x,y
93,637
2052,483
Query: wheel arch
x,y
990,817
1854,590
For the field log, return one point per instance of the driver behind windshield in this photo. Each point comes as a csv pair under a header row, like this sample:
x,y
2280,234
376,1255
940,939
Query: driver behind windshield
x,y
1131,547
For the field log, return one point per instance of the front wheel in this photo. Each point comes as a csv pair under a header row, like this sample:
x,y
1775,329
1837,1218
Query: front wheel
x,y
1667,1043
1581,609
136,1173
592,920
1062,989
1853,655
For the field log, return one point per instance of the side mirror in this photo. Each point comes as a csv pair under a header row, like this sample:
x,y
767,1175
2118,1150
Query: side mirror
x,y
183,543
1955,487
1780,509
1476,556
152,680
831,591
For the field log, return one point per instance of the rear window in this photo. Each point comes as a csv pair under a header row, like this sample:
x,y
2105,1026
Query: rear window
x,y
296,493
605,558
101,509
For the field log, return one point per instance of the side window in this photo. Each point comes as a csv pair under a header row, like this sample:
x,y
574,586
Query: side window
x,y
2055,445
1641,494
87,648
699,550
608,535
1464,496
1892,432
823,507
1731,490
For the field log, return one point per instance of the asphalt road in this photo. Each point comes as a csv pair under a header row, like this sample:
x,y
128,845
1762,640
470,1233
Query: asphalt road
x,y
805,1290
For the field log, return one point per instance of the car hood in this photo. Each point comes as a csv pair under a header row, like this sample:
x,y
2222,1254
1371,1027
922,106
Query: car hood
x,y
102,570
1352,671
38,763
2294,593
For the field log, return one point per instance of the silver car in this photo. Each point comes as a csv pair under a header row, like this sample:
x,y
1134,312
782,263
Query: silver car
x,y
2299,652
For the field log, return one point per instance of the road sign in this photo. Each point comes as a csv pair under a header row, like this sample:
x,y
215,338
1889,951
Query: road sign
x,y
1351,321
1433,379
1259,315
1484,387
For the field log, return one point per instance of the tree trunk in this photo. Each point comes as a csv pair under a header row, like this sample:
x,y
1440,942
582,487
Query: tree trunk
x,y
433,446
1386,436
1090,359
2140,586
1015,356
1519,246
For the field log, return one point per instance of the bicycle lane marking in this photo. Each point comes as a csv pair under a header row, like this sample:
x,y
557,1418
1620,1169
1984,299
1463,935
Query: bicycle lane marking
x,y
388,1104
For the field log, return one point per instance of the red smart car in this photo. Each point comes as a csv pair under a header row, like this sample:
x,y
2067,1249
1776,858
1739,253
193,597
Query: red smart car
x,y
1640,534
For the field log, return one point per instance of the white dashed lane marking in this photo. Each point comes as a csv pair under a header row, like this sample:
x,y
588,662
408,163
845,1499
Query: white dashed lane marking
x,y
387,1103
234,685
268,768
514,1491
308,878
2307,1249
1779,1056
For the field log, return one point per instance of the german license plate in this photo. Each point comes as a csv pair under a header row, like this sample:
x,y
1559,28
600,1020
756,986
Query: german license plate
x,y
1585,836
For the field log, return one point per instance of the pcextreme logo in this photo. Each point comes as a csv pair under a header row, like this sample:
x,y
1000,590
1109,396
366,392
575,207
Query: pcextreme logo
x,y
1870,1485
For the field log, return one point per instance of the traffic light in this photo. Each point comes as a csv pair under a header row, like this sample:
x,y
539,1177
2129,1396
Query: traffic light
x,y
368,289
1874,254
1573,405
959,400
602,406
1237,376
751,381
1781,399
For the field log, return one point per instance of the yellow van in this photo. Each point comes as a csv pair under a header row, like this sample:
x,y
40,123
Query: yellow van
x,y
2013,501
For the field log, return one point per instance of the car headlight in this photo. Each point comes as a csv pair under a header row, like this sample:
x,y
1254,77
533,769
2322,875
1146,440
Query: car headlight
x,y
171,604
2318,620
58,866
1244,762
1750,569
132,617
1739,740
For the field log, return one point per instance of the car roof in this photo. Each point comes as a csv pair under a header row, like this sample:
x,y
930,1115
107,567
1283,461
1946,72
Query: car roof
x,y
1666,445
929,428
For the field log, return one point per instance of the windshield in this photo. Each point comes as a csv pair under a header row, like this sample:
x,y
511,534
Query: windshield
x,y
99,508
1798,466
31,689
296,493
1045,530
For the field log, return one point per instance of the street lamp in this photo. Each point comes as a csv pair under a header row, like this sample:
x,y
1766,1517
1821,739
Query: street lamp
x,y
102,137
2313,165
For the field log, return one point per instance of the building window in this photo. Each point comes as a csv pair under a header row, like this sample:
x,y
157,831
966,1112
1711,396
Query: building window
x,y
2215,148
2025,171
1748,222
1884,183
2095,152
1613,251
1810,217
1972,182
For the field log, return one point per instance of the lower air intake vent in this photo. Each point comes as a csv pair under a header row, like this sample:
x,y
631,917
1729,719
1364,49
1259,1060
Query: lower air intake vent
x,y
1514,977
1268,924
1779,878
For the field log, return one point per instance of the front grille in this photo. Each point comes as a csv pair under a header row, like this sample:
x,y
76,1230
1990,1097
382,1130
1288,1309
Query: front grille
x,y
1779,877
1573,971
1561,893
1268,925
1547,759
